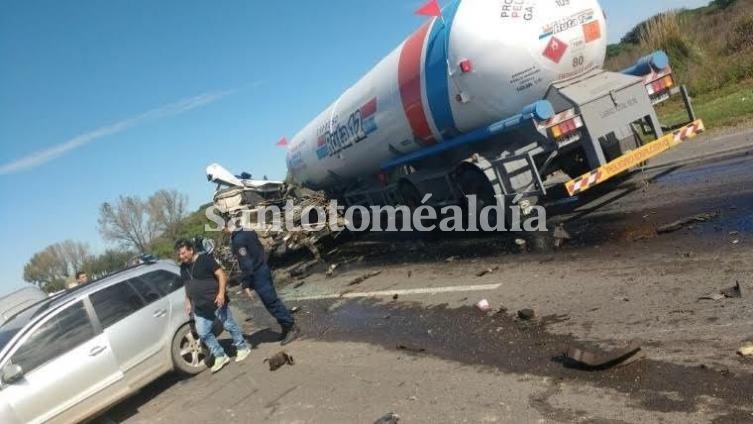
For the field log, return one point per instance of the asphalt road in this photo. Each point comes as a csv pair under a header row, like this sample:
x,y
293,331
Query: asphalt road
x,y
409,340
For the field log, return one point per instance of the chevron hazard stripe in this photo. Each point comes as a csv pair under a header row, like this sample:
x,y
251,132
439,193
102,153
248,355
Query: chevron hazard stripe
x,y
633,158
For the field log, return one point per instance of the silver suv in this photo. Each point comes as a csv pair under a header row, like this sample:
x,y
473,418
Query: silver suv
x,y
71,356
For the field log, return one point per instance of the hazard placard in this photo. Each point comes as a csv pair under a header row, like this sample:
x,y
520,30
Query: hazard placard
x,y
592,31
555,49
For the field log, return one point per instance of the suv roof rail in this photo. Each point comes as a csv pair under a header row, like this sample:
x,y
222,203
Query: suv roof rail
x,y
135,262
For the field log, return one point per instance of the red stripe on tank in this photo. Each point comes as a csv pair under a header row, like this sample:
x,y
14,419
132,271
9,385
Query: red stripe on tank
x,y
409,79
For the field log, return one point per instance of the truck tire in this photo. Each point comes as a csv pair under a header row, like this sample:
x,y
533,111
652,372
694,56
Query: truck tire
x,y
470,180
189,355
410,195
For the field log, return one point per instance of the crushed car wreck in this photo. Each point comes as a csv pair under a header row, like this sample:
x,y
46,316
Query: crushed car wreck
x,y
255,202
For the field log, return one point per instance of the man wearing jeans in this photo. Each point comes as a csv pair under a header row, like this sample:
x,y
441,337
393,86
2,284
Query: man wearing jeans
x,y
204,282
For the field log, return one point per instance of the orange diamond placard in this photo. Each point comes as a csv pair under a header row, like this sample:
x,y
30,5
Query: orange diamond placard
x,y
592,31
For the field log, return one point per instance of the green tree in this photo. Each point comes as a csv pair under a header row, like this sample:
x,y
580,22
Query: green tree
x,y
51,267
191,226
167,208
135,223
723,4
44,268
127,223
110,261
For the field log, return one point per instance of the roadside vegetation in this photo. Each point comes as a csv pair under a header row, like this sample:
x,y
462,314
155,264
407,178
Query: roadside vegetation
x,y
710,50
132,226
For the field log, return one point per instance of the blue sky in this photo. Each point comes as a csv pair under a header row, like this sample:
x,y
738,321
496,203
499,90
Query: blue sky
x,y
99,99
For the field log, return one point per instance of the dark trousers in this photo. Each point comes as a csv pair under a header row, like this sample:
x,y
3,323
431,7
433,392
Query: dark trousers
x,y
261,282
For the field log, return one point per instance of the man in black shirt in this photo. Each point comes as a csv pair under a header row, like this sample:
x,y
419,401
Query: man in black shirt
x,y
204,282
257,276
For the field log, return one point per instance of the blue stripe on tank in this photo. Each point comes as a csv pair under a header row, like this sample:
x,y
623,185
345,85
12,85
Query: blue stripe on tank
x,y
436,72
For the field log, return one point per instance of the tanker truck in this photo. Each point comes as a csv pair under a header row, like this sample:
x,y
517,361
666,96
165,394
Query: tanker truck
x,y
489,99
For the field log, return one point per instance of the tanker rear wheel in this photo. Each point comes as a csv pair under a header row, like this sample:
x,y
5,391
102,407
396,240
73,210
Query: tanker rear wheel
x,y
410,194
472,181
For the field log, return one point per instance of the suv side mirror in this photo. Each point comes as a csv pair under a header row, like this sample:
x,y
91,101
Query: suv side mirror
x,y
12,373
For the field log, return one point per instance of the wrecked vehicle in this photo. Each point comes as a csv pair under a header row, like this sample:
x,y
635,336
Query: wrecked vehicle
x,y
241,195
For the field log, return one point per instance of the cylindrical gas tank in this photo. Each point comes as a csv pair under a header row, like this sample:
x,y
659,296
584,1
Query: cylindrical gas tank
x,y
481,61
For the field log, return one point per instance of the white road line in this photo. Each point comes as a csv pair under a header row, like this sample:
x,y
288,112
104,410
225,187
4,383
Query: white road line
x,y
427,290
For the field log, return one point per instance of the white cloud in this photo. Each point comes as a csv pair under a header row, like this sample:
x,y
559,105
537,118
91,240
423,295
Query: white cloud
x,y
43,156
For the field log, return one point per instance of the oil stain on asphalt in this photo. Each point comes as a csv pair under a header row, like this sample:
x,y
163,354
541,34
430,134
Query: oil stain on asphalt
x,y
500,341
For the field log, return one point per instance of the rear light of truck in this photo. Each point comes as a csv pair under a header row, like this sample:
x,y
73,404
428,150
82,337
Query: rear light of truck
x,y
566,128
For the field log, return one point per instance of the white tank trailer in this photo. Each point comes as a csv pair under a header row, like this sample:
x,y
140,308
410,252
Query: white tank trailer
x,y
486,99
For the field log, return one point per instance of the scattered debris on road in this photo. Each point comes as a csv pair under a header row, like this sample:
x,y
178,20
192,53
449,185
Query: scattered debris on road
x,y
295,309
411,349
361,279
712,296
395,296
410,273
622,299
601,360
282,277
526,314
561,236
330,271
298,285
682,223
451,259
483,305
304,270
734,292
390,418
279,359
486,271
641,233
746,350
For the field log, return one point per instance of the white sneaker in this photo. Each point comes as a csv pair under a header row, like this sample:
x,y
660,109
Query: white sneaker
x,y
219,362
242,354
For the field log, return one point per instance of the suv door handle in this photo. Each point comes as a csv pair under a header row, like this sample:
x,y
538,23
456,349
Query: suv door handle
x,y
159,313
96,350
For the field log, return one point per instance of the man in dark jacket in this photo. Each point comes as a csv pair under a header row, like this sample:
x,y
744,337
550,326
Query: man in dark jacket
x,y
257,276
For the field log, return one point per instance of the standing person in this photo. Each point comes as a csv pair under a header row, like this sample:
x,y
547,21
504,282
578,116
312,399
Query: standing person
x,y
81,278
256,275
205,282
